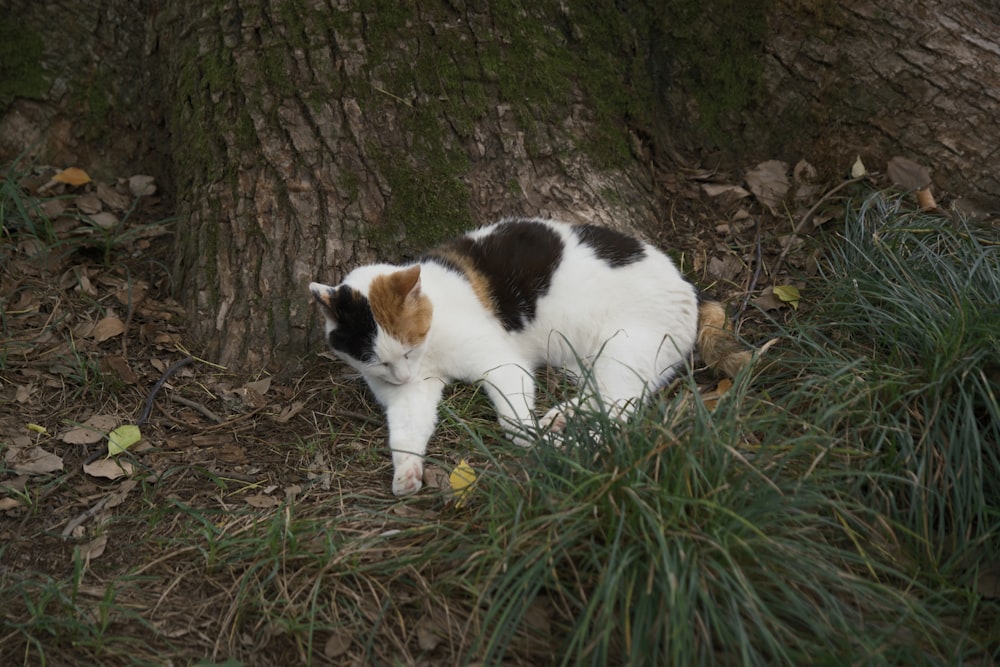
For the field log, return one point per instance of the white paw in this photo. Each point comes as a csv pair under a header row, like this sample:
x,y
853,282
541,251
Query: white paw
x,y
408,478
554,420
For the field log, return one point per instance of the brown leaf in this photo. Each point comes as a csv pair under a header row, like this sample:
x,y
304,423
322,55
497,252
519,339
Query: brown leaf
x,y
261,501
717,189
260,386
768,300
94,548
88,203
436,477
119,365
907,174
118,497
429,633
109,468
83,435
72,176
104,220
108,328
768,181
114,199
33,460
140,185
23,393
290,411
8,504
337,644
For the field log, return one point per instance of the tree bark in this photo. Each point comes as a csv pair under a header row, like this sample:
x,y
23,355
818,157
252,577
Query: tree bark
x,y
302,137
309,139
917,78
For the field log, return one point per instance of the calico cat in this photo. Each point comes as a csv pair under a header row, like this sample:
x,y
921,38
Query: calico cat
x,y
499,302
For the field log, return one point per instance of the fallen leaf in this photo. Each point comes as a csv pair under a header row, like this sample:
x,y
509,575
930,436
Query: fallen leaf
x,y
789,294
53,208
88,204
711,398
767,300
803,172
768,181
461,480
118,497
108,328
122,438
260,386
114,199
141,184
290,411
337,644
436,477
119,365
109,468
84,434
94,548
428,634
261,501
717,189
33,460
9,504
858,169
104,220
72,176
907,174
23,393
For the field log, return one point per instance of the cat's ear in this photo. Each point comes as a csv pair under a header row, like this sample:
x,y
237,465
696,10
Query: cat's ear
x,y
406,283
325,296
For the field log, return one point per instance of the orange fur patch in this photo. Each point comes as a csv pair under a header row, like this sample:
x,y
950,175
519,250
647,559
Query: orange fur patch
x,y
478,281
399,306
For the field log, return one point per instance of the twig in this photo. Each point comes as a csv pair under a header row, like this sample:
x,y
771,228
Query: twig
x,y
148,407
78,521
194,405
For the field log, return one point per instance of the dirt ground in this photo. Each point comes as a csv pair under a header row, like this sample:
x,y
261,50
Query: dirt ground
x,y
90,327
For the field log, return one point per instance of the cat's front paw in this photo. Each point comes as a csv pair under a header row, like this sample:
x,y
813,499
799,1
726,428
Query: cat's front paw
x,y
408,478
554,420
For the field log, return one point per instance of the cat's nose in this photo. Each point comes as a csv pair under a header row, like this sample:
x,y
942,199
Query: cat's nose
x,y
402,375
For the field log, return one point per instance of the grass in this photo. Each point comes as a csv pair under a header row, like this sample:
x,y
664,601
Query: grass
x,y
837,505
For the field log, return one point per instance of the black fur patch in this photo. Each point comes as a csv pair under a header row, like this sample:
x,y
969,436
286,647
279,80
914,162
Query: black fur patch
x,y
355,332
517,261
613,247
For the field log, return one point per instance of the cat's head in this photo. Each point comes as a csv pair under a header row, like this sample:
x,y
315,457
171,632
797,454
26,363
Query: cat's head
x,y
377,321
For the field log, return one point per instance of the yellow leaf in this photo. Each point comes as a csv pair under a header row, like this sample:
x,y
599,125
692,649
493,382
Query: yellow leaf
x,y
72,176
712,398
461,479
789,294
122,438
858,169
37,429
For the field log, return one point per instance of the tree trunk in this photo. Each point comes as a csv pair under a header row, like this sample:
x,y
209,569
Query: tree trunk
x,y
310,138
917,78
306,136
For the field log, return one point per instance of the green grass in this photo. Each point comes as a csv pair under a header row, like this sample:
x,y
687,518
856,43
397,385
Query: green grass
x,y
835,506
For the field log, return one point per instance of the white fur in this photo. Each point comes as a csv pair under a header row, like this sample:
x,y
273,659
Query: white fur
x,y
627,328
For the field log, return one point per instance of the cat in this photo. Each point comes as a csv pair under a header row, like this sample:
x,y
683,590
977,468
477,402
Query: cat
x,y
494,305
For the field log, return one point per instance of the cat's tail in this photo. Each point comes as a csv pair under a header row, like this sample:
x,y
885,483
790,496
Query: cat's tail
x,y
717,344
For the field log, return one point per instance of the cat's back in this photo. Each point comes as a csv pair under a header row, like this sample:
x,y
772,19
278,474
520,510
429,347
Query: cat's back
x,y
515,265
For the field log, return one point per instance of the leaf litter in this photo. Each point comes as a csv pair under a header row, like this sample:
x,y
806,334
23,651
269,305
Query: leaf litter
x,y
91,332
